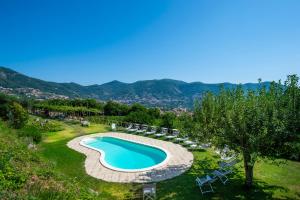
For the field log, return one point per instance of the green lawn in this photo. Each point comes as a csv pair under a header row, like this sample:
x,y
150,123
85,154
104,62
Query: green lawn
x,y
271,181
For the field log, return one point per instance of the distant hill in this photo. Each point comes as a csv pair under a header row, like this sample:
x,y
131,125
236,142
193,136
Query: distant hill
x,y
163,93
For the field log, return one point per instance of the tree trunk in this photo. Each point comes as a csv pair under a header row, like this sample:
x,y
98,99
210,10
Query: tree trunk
x,y
248,169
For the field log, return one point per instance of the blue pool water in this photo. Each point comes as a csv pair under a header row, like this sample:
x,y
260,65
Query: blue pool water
x,y
126,155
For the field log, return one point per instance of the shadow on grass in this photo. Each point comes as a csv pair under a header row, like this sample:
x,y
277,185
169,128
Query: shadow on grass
x,y
184,186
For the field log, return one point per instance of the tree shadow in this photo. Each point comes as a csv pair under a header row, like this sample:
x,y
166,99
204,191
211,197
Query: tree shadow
x,y
184,186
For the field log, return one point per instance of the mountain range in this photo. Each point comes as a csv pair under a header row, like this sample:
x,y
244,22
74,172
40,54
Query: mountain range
x,y
162,93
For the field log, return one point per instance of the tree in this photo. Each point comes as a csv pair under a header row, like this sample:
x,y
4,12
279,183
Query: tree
x,y
112,108
17,115
136,107
185,123
291,116
139,117
168,119
250,122
154,113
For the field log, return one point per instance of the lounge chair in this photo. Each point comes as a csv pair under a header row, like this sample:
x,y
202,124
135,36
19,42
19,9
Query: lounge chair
x,y
205,180
143,129
221,174
225,150
129,127
223,165
205,145
227,157
152,131
149,191
188,142
134,128
193,146
162,133
181,139
174,134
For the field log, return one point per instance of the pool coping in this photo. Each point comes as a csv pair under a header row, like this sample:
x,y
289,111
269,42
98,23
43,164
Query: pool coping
x,y
102,156
180,160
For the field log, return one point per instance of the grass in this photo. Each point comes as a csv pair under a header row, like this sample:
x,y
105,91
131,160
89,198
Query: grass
x,y
71,163
271,180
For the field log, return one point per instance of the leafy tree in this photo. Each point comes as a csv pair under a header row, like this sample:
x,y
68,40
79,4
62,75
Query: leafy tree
x,y
136,107
168,119
139,117
290,111
185,123
112,108
254,123
154,113
4,105
17,115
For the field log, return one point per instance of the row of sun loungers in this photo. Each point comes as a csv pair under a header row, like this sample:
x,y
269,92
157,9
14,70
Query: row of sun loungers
x,y
225,168
174,135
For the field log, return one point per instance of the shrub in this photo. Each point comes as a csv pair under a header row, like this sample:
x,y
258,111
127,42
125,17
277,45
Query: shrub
x,y
168,120
139,117
17,115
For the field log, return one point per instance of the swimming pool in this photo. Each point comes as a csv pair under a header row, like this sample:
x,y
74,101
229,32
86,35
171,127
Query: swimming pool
x,y
123,155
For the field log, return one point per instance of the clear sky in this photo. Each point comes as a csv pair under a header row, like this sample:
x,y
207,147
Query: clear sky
x,y
91,42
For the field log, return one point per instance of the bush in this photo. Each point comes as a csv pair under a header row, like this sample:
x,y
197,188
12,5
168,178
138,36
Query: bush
x,y
139,117
25,175
36,127
112,108
168,120
17,115
32,132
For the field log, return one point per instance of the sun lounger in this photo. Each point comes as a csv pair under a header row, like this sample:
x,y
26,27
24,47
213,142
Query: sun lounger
x,y
129,127
135,128
227,157
188,142
221,174
204,146
181,139
206,180
194,146
152,131
149,191
223,165
174,134
162,133
143,129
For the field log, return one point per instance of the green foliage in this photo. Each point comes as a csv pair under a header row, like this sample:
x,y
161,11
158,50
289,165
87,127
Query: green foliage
x,y
12,111
25,175
167,120
36,127
87,103
185,123
136,107
17,115
256,123
154,113
139,117
112,108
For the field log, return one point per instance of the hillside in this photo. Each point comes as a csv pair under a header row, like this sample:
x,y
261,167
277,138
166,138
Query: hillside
x,y
162,93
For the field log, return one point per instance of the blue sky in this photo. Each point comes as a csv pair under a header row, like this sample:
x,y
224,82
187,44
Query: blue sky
x,y
91,42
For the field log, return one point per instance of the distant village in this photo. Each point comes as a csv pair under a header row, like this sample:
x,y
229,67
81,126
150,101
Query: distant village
x,y
31,93
39,95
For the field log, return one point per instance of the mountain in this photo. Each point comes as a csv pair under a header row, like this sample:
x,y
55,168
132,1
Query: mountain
x,y
162,93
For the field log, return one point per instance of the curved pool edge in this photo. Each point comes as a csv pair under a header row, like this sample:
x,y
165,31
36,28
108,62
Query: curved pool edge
x,y
105,164
180,161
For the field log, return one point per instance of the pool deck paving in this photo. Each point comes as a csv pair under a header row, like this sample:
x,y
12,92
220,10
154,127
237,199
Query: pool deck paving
x,y
179,161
